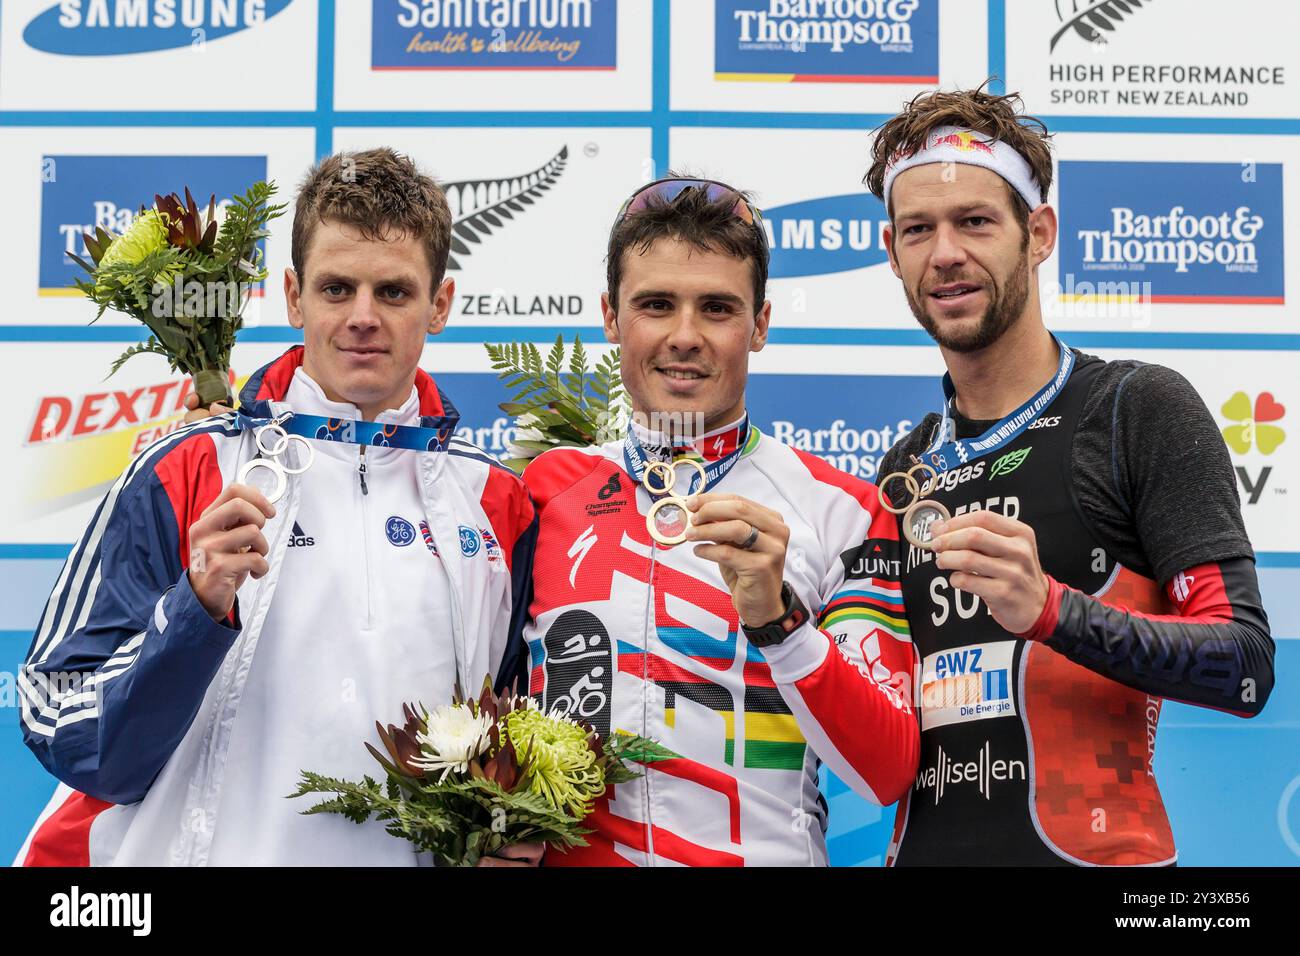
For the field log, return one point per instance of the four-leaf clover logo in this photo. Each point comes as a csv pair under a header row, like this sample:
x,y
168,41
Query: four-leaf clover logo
x,y
1252,426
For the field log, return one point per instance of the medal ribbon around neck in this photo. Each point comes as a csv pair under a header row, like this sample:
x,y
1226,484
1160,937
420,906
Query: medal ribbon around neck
x,y
660,477
274,436
947,451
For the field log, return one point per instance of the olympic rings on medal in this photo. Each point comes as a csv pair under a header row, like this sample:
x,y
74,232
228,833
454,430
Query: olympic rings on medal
x,y
661,486
919,514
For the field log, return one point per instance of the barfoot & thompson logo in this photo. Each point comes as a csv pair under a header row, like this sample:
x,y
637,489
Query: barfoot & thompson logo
x,y
843,41
1197,232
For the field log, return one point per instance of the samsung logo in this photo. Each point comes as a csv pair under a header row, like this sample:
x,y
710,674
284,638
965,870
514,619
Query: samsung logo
x,y
112,27
822,236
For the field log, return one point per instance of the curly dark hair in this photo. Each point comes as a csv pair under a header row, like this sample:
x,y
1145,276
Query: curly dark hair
x,y
375,191
998,117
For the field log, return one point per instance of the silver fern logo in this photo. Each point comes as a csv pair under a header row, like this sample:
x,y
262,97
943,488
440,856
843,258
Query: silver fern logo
x,y
1092,19
480,207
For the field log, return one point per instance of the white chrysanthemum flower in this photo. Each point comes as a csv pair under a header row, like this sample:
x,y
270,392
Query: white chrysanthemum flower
x,y
453,736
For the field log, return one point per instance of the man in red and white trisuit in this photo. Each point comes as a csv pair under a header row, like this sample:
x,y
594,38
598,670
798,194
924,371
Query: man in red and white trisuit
x,y
773,639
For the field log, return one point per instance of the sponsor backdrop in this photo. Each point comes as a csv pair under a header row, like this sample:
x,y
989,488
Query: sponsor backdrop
x,y
1177,151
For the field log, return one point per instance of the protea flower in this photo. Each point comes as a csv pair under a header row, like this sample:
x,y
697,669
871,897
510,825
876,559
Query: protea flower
x,y
187,228
402,744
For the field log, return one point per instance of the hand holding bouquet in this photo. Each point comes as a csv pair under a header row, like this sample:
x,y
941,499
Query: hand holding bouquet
x,y
474,777
187,277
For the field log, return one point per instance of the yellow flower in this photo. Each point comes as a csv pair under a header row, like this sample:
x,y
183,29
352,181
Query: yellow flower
x,y
560,766
147,235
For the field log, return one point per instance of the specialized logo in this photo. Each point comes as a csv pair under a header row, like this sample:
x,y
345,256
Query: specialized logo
x,y
1087,19
79,193
479,207
116,27
427,534
1253,426
967,683
839,41
984,771
1174,232
827,235
300,538
469,541
581,546
497,35
1010,462
400,532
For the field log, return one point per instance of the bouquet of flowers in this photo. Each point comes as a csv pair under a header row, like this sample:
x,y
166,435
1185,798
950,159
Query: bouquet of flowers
x,y
554,407
468,779
187,276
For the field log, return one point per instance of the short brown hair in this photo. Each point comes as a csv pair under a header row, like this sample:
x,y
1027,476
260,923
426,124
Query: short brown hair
x,y
692,218
376,191
1000,118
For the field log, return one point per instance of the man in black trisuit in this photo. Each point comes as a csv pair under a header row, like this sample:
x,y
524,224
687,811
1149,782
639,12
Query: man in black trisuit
x,y
1095,562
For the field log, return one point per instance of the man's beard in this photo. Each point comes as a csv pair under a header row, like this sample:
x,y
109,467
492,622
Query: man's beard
x,y
1004,308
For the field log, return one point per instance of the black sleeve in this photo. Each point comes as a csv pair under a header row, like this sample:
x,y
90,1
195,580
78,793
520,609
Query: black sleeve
x,y
1165,495
1218,654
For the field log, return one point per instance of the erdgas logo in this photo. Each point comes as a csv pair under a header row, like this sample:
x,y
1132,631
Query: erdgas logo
x,y
109,27
1177,238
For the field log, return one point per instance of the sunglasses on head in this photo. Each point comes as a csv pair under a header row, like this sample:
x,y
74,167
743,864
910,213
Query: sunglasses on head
x,y
667,191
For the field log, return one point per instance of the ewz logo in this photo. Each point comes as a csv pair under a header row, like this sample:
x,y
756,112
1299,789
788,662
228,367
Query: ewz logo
x,y
838,41
967,683
1195,232
79,193
114,27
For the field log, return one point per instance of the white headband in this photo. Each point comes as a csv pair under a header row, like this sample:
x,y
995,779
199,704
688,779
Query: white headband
x,y
952,144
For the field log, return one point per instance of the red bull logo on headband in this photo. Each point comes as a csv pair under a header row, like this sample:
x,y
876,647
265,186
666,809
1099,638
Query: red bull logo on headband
x,y
966,141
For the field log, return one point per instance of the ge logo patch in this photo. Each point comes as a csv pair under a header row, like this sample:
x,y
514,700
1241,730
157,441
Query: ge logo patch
x,y
469,542
400,531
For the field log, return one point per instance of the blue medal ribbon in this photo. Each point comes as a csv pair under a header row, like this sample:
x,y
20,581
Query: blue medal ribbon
x,y
947,451
433,434
636,460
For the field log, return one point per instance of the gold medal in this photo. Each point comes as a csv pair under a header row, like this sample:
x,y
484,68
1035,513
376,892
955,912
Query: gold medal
x,y
668,518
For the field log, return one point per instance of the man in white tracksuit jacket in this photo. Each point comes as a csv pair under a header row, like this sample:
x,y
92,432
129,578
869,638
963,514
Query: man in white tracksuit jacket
x,y
203,646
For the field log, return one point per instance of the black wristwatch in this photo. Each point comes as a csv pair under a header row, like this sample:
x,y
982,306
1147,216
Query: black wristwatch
x,y
776,631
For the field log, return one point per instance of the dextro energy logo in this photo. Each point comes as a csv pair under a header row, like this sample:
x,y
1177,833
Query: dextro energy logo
x,y
827,41
1196,232
494,35
81,192
827,235
114,27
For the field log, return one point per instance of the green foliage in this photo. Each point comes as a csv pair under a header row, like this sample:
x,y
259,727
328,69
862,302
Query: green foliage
x,y
196,329
559,395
